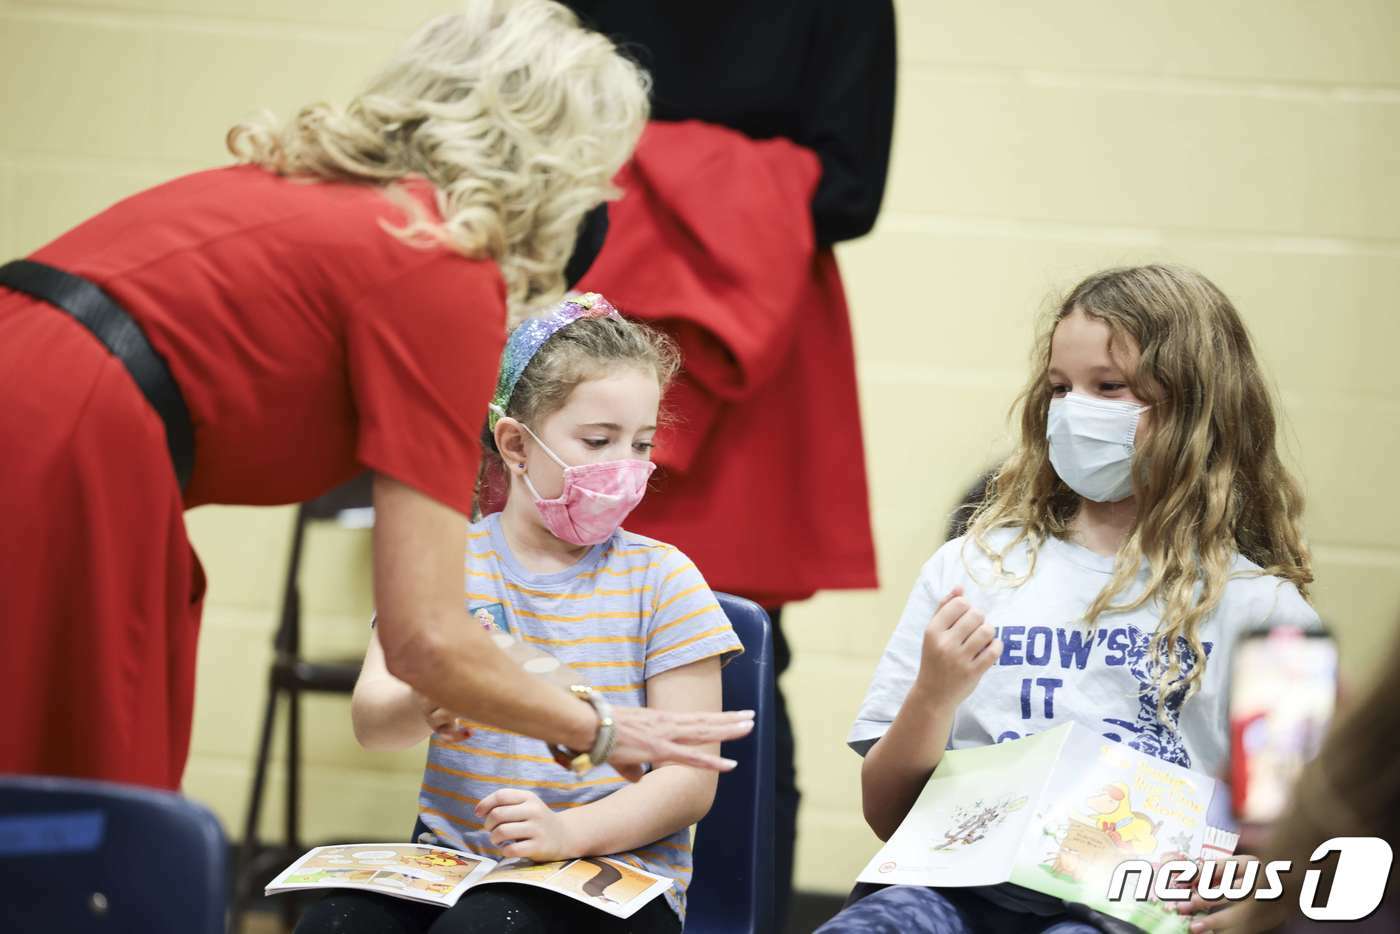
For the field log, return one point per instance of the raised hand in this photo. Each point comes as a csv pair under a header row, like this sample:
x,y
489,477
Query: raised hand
x,y
958,648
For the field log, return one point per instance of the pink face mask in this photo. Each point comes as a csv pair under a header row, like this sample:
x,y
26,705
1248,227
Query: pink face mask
x,y
595,499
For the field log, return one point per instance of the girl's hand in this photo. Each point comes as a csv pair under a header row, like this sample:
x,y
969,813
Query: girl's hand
x,y
523,826
651,736
445,724
959,647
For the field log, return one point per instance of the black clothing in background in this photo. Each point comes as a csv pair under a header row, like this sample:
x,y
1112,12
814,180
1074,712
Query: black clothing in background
x,y
818,72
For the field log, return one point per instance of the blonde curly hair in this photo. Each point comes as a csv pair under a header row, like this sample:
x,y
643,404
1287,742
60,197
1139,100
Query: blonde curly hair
x,y
1208,478
516,114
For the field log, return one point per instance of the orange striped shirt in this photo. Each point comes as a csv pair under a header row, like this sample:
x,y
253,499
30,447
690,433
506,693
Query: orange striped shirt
x,y
630,610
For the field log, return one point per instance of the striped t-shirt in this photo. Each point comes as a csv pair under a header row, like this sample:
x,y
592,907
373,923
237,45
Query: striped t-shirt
x,y
631,609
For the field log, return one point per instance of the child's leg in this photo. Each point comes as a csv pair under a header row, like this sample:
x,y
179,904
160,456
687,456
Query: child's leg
x,y
521,909
900,909
351,912
912,909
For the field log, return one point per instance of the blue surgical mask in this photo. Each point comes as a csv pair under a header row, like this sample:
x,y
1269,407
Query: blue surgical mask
x,y
1091,445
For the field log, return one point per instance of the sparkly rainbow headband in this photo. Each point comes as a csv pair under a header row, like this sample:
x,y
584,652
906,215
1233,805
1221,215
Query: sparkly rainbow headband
x,y
526,341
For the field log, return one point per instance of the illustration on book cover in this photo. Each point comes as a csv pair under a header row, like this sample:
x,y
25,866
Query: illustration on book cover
x,y
1143,812
395,866
971,823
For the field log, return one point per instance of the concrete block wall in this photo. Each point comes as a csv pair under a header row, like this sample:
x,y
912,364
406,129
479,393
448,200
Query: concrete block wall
x,y
1256,141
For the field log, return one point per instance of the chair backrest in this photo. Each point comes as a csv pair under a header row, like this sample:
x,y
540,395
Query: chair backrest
x,y
732,889
82,856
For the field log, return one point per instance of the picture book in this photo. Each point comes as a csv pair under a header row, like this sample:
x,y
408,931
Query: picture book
x,y
1055,813
438,876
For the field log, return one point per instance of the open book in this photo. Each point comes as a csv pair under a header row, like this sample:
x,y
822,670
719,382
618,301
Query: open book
x,y
438,876
1055,813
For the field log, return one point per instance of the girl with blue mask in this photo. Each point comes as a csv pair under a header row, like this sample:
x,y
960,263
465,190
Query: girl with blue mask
x,y
1143,522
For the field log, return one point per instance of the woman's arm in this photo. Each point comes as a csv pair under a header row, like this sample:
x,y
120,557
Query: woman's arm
x,y
427,640
429,644
388,714
667,799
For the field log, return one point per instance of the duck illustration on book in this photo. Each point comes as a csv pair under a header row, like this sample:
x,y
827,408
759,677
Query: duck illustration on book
x,y
973,822
1128,829
1112,831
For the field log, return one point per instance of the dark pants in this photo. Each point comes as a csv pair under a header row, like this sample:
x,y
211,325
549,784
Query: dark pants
x,y
786,794
912,909
491,909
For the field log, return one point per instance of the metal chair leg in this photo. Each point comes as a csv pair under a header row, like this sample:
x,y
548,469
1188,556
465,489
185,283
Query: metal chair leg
x,y
248,849
292,816
286,644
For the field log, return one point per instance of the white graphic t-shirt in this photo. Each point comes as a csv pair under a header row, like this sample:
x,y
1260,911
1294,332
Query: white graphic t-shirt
x,y
1053,669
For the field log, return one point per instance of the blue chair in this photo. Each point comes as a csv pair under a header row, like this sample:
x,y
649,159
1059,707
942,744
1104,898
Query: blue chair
x,y
81,856
732,890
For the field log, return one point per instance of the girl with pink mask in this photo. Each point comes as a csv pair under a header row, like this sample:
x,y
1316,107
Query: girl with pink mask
x,y
569,448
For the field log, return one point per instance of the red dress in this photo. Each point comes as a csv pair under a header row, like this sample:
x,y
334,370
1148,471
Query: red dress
x,y
761,476
308,343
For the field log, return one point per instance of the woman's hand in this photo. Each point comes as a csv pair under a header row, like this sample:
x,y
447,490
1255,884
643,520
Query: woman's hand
x,y
523,826
958,648
418,592
647,736
445,724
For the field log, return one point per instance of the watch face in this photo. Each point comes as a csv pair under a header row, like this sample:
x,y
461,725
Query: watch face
x,y
577,762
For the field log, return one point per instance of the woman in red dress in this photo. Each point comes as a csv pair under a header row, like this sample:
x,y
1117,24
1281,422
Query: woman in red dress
x,y
336,303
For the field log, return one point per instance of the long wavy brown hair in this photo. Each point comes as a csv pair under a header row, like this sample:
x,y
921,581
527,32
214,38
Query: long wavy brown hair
x,y
1206,474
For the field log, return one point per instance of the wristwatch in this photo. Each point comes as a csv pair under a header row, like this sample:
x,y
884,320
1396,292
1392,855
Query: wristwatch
x,y
582,762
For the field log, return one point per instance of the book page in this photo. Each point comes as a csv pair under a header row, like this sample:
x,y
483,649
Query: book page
x,y
968,822
1106,803
609,885
431,874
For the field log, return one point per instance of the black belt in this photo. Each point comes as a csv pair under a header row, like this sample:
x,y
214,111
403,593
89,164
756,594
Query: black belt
x,y
95,310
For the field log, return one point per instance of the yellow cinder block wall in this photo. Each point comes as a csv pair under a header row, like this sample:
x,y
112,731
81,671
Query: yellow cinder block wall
x,y
1256,141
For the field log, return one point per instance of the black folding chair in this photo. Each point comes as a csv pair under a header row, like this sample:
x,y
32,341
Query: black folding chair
x,y
289,677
